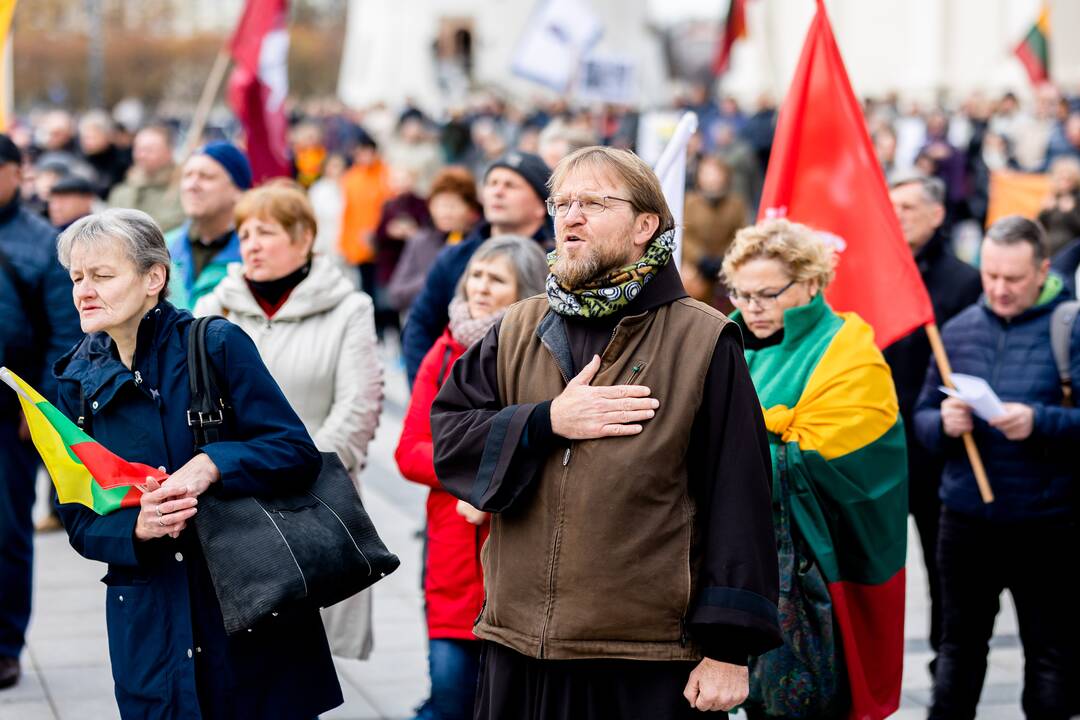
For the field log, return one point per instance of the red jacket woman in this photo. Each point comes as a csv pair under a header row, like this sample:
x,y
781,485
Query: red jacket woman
x,y
453,580
502,271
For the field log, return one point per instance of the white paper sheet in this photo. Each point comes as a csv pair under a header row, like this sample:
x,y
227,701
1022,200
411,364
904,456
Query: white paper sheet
x,y
977,393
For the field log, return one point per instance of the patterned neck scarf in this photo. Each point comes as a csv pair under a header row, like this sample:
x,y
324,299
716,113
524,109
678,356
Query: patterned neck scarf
x,y
466,329
615,290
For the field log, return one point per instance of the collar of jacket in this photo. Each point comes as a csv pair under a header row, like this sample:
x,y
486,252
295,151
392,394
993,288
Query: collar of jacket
x,y
180,250
159,178
324,288
665,288
929,253
94,362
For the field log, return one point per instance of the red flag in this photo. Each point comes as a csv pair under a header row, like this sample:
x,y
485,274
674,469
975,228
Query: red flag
x,y
734,28
259,84
823,173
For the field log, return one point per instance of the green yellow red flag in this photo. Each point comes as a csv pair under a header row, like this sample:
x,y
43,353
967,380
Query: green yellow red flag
x,y
1033,51
831,410
82,470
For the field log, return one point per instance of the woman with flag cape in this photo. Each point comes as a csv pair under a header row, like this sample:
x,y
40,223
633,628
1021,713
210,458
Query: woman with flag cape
x,y
839,482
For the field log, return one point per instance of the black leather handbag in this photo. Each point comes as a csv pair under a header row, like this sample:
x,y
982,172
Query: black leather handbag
x,y
266,555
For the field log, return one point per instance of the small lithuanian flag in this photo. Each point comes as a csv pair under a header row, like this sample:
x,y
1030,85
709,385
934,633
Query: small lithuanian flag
x,y
82,470
1033,50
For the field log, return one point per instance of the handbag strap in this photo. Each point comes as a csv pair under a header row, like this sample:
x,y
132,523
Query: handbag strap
x,y
785,546
206,415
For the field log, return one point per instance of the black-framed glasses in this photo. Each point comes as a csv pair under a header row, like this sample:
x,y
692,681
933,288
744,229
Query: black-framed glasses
x,y
763,300
589,205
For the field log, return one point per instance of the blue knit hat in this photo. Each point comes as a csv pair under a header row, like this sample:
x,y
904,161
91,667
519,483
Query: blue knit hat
x,y
233,160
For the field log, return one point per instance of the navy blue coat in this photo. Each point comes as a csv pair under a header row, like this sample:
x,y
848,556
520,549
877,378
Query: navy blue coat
x,y
1033,478
29,243
430,312
170,656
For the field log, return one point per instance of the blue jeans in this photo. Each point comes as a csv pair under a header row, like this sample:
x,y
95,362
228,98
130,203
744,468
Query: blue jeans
x,y
18,470
453,666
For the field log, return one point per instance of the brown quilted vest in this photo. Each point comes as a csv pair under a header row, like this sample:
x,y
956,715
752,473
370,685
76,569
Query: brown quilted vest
x,y
598,561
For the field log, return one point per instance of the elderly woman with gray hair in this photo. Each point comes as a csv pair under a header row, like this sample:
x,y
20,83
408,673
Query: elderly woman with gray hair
x,y
126,384
502,271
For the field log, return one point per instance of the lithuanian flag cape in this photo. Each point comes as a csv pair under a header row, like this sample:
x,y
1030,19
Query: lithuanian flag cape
x,y
82,470
829,398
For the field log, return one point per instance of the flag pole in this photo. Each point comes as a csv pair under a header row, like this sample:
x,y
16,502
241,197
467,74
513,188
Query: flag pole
x,y
206,103
969,440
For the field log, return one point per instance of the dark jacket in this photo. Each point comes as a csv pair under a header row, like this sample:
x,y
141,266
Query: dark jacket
x,y
110,166
38,320
429,314
170,656
953,286
1065,264
412,269
1033,478
1062,227
388,249
658,546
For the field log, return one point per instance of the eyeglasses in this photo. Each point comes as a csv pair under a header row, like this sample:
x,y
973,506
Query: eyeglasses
x,y
763,300
589,205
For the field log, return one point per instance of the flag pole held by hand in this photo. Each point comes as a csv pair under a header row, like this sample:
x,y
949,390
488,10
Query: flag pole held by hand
x,y
969,440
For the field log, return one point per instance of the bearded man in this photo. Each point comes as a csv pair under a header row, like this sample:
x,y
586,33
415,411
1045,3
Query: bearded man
x,y
612,429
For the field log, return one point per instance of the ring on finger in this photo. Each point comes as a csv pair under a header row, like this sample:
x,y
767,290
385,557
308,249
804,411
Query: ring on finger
x,y
161,522
158,510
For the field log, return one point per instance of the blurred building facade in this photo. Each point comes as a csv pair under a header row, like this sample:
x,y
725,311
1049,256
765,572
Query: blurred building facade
x,y
929,50
434,52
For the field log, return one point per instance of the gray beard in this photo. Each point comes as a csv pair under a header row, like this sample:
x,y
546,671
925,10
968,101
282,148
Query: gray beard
x,y
573,274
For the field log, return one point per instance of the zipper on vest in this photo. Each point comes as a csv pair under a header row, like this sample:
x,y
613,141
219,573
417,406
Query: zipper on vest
x,y
138,378
554,557
566,458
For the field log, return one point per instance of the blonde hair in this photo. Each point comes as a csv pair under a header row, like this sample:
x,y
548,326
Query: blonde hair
x,y
282,201
642,185
800,249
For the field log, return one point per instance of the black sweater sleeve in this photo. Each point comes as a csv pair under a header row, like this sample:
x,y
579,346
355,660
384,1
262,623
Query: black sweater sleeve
x,y
734,615
485,453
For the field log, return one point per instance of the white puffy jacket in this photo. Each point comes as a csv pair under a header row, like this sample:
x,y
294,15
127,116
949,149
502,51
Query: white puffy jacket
x,y
320,347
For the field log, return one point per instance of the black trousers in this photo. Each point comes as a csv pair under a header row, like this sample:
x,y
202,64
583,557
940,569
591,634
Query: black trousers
x,y
1035,561
515,687
18,471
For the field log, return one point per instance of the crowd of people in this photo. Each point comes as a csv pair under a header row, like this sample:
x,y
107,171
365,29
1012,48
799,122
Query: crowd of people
x,y
620,523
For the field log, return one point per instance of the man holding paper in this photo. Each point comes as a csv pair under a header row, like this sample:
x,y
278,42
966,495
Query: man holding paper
x,y
1028,445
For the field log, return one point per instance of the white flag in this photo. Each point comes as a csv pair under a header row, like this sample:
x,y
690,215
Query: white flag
x,y
557,37
671,169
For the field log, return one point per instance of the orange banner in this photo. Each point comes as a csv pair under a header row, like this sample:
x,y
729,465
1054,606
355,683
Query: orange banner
x,y
1016,193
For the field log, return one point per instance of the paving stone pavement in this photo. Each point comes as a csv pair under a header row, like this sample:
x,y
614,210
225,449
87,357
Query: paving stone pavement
x,y
66,663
